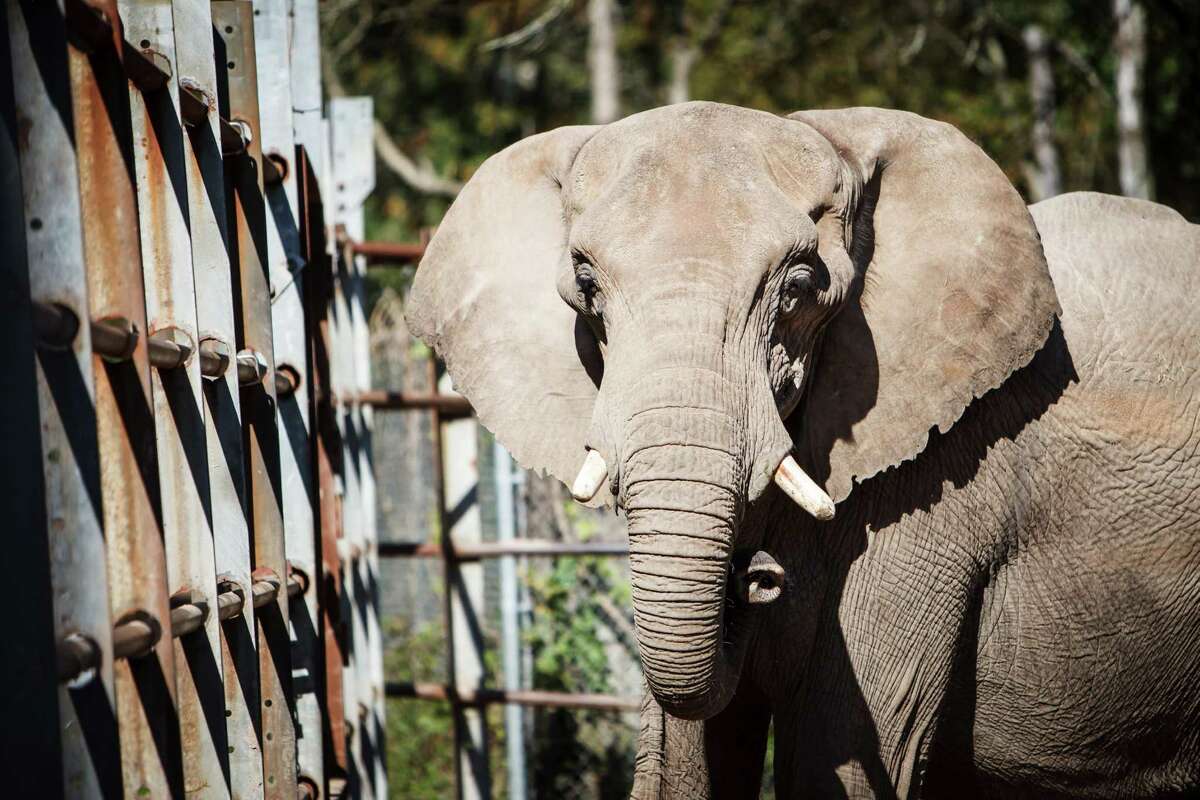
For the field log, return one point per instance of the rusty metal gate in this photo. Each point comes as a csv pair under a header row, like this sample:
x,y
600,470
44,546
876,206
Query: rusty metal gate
x,y
192,489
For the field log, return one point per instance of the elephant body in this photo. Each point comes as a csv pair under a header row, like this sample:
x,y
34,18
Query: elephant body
x,y
909,469
1015,612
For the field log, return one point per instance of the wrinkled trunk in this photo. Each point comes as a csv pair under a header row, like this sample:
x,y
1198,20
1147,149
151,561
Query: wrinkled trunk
x,y
679,483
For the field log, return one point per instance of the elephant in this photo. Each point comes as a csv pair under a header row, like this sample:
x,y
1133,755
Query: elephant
x,y
910,469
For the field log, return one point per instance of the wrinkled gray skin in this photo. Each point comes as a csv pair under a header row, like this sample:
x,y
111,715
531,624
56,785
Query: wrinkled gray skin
x,y
1003,405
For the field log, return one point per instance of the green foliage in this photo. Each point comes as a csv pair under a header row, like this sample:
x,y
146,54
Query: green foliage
x,y
449,100
576,753
420,735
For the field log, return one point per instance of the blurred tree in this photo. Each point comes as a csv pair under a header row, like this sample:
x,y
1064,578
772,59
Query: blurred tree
x,y
1043,175
603,80
1130,47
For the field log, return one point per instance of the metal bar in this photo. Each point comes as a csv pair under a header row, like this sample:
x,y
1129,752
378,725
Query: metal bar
x,y
353,165
327,448
58,100
510,622
511,547
116,338
233,21
538,699
452,406
446,548
135,637
188,618
285,260
395,252
215,316
147,700
168,221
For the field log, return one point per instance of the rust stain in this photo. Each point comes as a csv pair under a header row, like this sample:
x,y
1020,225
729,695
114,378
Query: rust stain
x,y
136,564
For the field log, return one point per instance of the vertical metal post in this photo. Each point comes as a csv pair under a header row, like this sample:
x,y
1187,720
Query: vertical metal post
x,y
465,588
71,485
160,161
318,242
133,511
341,382
449,570
510,624
354,167
233,21
318,289
272,23
30,753
222,404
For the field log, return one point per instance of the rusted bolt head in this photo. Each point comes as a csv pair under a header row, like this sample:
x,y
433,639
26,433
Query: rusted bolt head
x,y
215,357
178,337
252,367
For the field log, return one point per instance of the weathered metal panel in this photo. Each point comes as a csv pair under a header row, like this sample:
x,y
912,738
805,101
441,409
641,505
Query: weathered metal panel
x,y
285,261
318,290
464,582
306,83
318,242
352,188
353,166
161,164
30,756
234,22
146,686
73,515
217,330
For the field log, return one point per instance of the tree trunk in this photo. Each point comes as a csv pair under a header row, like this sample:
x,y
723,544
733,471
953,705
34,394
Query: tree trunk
x,y
1045,178
683,56
602,61
1131,139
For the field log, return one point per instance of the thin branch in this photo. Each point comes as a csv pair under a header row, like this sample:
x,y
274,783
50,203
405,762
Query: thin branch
x,y
348,42
1077,60
535,28
419,176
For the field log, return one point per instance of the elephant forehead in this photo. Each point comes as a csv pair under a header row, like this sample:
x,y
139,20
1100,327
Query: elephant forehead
x,y
699,181
709,159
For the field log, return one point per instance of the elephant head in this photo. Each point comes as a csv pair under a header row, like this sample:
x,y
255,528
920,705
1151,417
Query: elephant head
x,y
700,302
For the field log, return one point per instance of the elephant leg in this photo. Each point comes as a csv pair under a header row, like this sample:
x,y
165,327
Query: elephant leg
x,y
671,762
895,664
718,759
735,743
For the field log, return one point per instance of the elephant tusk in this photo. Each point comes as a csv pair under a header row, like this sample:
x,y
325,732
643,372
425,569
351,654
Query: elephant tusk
x,y
591,477
803,491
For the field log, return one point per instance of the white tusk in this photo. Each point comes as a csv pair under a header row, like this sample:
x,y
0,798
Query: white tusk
x,y
591,477
801,488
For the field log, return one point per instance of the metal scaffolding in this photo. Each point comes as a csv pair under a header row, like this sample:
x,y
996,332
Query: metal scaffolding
x,y
192,375
182,292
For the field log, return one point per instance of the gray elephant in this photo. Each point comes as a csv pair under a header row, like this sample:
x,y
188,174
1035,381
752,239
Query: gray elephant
x,y
909,468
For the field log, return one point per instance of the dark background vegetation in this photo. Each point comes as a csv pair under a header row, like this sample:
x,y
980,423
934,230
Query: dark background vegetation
x,y
445,99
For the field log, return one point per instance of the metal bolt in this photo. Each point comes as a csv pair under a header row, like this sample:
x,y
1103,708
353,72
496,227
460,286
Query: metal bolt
x,y
252,367
215,357
178,349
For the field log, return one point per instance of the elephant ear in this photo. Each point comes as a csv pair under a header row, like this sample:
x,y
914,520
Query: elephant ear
x,y
484,298
955,295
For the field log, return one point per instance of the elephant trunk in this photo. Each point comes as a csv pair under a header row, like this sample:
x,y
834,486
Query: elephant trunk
x,y
679,484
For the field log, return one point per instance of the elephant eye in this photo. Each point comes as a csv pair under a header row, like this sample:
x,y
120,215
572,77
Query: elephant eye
x,y
795,289
585,284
